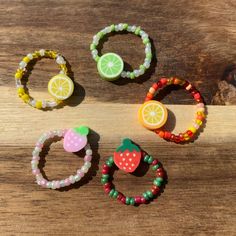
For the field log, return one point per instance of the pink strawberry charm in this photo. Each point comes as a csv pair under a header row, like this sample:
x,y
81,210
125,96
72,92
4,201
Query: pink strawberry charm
x,y
127,156
75,139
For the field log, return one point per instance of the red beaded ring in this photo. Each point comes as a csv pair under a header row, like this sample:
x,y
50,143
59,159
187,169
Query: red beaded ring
x,y
153,114
127,157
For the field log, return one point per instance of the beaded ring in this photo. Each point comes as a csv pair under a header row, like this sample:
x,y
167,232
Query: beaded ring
x,y
153,114
74,140
127,157
60,86
110,65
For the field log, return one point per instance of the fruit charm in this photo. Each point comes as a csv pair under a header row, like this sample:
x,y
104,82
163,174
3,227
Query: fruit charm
x,y
75,139
127,156
110,66
61,87
152,114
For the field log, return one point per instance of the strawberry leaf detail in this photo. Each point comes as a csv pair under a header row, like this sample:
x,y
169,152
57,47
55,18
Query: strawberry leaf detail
x,y
127,145
82,130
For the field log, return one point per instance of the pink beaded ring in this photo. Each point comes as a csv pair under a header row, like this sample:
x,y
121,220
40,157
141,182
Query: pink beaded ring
x,y
74,140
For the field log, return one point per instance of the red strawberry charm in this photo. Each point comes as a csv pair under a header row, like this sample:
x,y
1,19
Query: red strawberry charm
x,y
75,139
127,156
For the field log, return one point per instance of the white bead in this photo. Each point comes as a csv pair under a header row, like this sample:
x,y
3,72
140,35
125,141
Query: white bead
x,y
60,60
72,179
62,183
18,82
141,71
42,52
77,178
147,60
120,27
84,169
19,85
22,64
141,32
62,72
128,74
38,149
53,185
52,104
95,52
89,152
133,28
129,29
146,64
148,45
32,102
123,74
107,30
147,50
136,73
44,105
30,56
87,164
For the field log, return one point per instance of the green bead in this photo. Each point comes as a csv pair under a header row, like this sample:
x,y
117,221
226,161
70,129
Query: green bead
x,y
103,181
142,67
106,176
150,160
127,200
97,58
112,192
160,179
115,194
131,201
100,34
146,40
145,195
112,27
111,159
149,55
156,167
109,163
137,31
125,26
157,183
92,46
150,194
146,158
132,76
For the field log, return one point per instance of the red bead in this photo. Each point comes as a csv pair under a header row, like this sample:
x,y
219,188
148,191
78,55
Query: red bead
x,y
106,167
159,84
190,133
105,171
107,190
143,200
119,197
137,199
107,185
155,189
163,81
155,86
160,169
149,95
155,161
167,135
160,174
123,200
198,117
186,84
147,99
197,96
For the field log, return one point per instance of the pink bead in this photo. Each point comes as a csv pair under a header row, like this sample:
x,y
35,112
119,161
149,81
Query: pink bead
x,y
87,158
35,158
80,173
36,171
39,145
57,184
200,105
196,125
67,182
43,183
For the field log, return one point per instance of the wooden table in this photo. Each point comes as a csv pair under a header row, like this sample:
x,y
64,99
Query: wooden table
x,y
194,40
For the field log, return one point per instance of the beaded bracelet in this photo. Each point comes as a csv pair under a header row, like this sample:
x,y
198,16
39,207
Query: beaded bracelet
x,y
60,86
74,140
127,157
110,65
153,114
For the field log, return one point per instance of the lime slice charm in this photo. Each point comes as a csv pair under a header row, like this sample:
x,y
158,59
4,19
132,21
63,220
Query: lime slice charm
x,y
110,66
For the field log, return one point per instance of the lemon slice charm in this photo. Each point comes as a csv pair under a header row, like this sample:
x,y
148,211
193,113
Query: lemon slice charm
x,y
110,66
61,87
152,115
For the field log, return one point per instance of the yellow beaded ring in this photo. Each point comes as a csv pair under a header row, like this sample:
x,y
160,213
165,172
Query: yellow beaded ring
x,y
60,86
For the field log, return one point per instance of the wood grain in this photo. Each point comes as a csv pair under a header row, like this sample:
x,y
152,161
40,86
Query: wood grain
x,y
194,40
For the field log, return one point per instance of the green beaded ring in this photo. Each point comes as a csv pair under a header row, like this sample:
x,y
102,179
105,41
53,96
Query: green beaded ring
x,y
125,157
110,65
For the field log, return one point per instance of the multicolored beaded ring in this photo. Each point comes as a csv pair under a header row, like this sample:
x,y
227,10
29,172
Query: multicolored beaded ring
x,y
127,157
153,114
110,65
60,86
74,140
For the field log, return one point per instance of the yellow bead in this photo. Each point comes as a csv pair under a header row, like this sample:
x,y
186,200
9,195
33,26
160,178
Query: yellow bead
x,y
38,104
200,113
199,122
26,59
18,75
185,135
186,139
25,97
193,129
20,91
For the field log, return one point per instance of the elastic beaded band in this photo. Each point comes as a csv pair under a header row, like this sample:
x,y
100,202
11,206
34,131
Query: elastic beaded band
x,y
158,113
60,86
130,158
74,140
110,65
